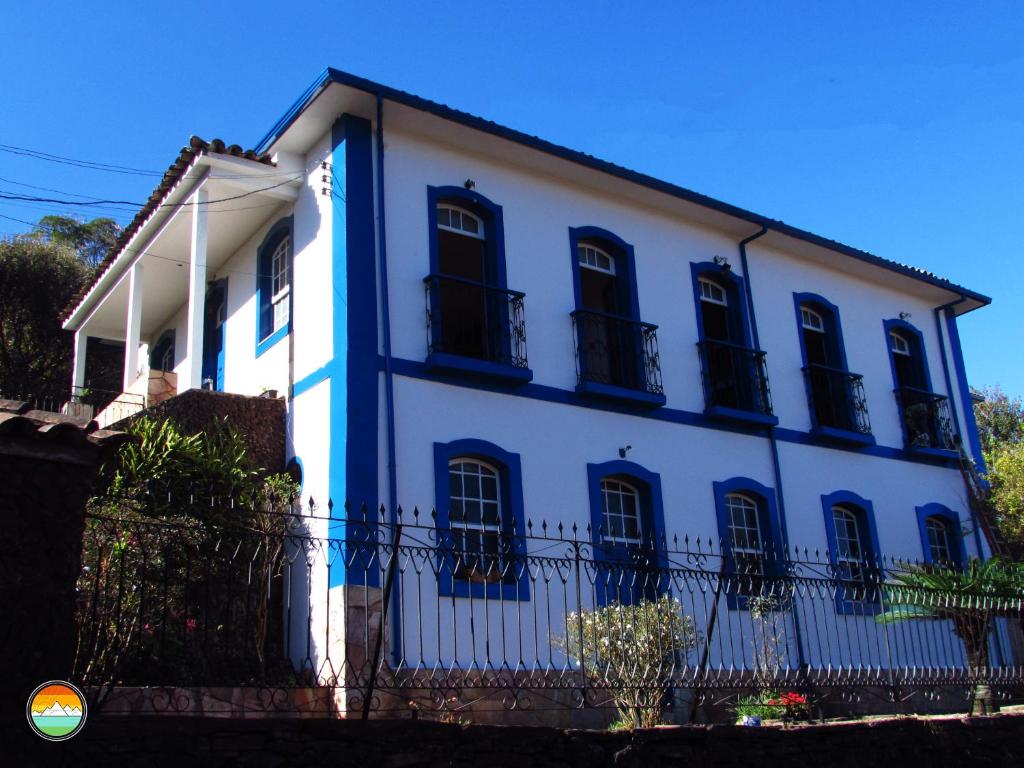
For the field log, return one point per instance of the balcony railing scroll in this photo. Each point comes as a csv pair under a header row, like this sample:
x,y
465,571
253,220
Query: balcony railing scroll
x,y
471,319
836,398
617,351
926,419
734,377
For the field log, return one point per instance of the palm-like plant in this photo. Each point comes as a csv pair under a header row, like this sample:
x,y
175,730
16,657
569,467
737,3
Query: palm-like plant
x,y
969,598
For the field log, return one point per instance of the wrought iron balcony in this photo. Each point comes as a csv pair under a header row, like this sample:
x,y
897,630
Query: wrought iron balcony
x,y
734,377
473,320
836,398
617,351
926,419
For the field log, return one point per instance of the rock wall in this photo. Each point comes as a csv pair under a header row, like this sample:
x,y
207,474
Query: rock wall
x,y
260,419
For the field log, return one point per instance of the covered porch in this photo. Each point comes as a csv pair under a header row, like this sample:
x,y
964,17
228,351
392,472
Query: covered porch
x,y
168,264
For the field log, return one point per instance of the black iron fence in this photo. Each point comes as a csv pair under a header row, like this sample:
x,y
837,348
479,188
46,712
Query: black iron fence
x,y
734,377
390,613
836,398
471,319
617,351
926,419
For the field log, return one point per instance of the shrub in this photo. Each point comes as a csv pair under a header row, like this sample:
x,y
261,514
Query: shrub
x,y
634,651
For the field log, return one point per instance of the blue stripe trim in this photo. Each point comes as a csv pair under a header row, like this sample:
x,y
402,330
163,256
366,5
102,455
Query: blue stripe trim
x,y
272,339
418,370
293,112
308,382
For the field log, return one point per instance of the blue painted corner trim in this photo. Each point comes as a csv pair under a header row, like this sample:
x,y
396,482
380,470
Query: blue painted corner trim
x,y
970,423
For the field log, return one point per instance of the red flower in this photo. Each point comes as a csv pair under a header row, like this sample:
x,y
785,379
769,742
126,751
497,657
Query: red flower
x,y
190,625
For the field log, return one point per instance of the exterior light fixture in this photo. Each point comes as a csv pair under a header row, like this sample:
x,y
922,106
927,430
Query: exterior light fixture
x,y
469,184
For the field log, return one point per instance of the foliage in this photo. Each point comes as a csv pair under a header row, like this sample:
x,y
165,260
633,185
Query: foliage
x,y
1000,419
968,598
90,240
37,280
183,551
1001,429
633,650
771,705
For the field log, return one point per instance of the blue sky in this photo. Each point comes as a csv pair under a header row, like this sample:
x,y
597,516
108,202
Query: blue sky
x,y
899,130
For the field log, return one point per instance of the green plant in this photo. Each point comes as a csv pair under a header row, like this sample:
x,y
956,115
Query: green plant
x,y
632,650
970,599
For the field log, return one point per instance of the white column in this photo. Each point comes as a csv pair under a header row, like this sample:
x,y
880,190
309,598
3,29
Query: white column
x,y
78,366
196,293
131,344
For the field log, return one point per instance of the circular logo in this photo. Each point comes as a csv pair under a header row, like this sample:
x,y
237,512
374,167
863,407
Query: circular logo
x,y
56,710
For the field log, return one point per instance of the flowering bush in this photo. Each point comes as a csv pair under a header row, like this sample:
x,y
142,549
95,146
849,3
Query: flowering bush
x,y
772,706
633,650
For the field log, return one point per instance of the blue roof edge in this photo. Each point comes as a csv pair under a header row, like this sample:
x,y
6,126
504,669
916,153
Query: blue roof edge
x,y
332,75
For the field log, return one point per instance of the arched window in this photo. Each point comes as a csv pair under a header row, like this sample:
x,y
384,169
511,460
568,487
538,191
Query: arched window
x,y
835,396
925,416
942,539
622,520
480,521
745,539
939,548
273,285
616,354
907,361
751,539
475,516
853,551
732,372
849,546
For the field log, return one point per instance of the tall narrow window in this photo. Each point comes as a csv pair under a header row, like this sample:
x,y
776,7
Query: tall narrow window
x,y
622,524
745,542
836,398
849,548
475,518
280,268
926,417
273,285
939,549
715,312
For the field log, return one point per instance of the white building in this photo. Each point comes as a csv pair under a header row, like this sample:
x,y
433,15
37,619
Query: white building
x,y
470,318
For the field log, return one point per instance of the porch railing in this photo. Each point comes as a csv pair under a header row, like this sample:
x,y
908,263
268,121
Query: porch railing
x,y
836,398
618,351
926,419
471,319
388,609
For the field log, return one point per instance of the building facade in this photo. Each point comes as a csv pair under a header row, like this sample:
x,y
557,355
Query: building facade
x,y
466,318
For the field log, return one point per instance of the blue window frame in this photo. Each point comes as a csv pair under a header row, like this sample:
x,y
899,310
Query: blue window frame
x,y
161,358
627,524
616,353
476,324
853,552
835,396
733,374
942,540
480,521
751,540
274,294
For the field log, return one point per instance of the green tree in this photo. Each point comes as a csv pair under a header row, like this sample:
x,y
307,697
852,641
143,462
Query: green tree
x,y
91,240
970,598
38,279
1001,429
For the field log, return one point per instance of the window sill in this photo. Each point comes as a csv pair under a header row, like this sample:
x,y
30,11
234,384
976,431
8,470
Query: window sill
x,y
938,453
848,437
741,417
265,344
475,368
448,586
637,397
